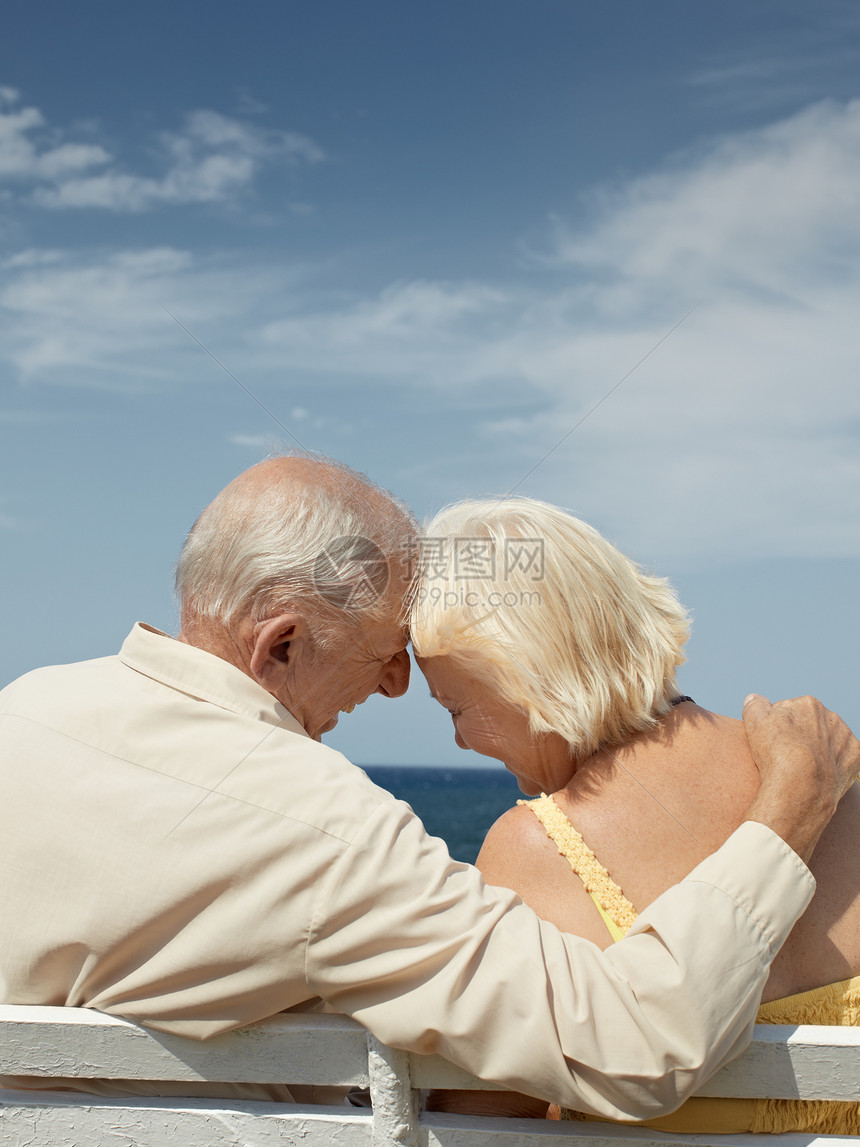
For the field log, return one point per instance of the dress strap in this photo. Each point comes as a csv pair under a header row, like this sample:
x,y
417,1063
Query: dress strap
x,y
617,911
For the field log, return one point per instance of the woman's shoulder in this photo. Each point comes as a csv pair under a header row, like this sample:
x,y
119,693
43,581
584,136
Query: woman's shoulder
x,y
517,834
518,821
518,854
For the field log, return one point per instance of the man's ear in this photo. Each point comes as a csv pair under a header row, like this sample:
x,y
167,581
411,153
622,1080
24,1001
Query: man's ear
x,y
277,642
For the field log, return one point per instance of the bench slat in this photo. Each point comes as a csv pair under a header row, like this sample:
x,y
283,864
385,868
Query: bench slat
x,y
482,1131
61,1118
84,1044
28,1117
311,1048
783,1062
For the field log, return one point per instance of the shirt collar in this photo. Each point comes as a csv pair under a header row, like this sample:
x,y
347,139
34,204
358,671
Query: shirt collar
x,y
203,675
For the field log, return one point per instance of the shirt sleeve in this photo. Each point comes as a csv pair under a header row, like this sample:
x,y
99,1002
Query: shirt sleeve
x,y
417,948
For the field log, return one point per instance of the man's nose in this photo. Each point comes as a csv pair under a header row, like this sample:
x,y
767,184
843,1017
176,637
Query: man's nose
x,y
395,675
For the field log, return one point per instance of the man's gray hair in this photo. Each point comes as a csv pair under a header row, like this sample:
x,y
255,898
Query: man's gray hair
x,y
325,539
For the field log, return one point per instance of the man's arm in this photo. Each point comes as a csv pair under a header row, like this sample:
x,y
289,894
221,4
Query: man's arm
x,y
427,957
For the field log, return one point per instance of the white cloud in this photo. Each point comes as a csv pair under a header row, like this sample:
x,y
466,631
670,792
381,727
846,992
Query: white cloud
x,y
758,212
260,442
248,105
739,435
211,159
210,180
783,67
420,330
742,429
33,257
21,157
101,320
287,438
215,130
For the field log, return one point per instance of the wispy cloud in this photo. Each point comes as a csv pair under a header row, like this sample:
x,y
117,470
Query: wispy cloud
x,y
786,66
740,435
745,423
416,331
211,159
26,148
755,214
266,443
297,421
33,257
99,321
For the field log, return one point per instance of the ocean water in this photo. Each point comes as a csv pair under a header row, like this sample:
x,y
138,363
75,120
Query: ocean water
x,y
457,804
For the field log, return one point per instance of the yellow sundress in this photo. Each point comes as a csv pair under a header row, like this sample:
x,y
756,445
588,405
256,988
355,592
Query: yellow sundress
x,y
834,1004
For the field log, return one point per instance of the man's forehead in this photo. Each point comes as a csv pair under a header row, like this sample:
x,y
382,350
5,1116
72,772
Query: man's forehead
x,y
385,625
390,632
395,633
401,583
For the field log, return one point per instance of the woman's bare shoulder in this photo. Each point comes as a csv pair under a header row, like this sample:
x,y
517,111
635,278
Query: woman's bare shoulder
x,y
516,834
518,854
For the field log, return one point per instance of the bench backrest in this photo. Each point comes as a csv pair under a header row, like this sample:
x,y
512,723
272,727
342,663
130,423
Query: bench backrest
x,y
782,1062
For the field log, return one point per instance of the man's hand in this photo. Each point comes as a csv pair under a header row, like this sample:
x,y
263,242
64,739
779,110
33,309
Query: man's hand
x,y
808,758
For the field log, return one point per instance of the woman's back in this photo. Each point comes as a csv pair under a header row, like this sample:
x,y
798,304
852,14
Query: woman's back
x,y
653,809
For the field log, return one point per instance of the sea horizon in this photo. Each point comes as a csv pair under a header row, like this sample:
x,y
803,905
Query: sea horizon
x,y
456,802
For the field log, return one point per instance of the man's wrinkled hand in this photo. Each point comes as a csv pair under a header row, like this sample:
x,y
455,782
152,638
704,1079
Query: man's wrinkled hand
x,y
808,758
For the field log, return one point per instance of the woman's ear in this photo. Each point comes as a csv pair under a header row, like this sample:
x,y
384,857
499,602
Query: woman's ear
x,y
277,642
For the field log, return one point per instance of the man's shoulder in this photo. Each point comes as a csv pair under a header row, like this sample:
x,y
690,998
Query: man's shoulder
x,y
308,783
140,734
38,685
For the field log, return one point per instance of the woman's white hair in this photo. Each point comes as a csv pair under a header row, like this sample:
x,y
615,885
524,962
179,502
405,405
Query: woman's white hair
x,y
324,539
538,605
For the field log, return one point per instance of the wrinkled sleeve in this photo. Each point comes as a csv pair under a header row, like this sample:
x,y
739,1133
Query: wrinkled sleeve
x,y
417,948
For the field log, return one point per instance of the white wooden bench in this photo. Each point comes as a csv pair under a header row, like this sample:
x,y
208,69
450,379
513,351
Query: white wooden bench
x,y
783,1062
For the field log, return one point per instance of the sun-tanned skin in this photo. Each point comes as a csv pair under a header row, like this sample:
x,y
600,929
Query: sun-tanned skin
x,y
651,810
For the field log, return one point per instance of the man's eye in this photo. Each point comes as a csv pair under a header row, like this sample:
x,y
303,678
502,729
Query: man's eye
x,y
454,712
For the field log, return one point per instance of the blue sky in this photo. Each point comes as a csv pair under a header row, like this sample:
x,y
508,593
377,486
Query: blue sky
x,y
429,239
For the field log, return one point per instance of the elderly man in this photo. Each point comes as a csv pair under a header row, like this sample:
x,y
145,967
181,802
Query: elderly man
x,y
180,849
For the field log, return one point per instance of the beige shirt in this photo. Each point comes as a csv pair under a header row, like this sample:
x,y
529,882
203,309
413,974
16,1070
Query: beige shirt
x,y
175,849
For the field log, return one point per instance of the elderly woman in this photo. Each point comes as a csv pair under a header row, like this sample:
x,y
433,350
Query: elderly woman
x,y
557,655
